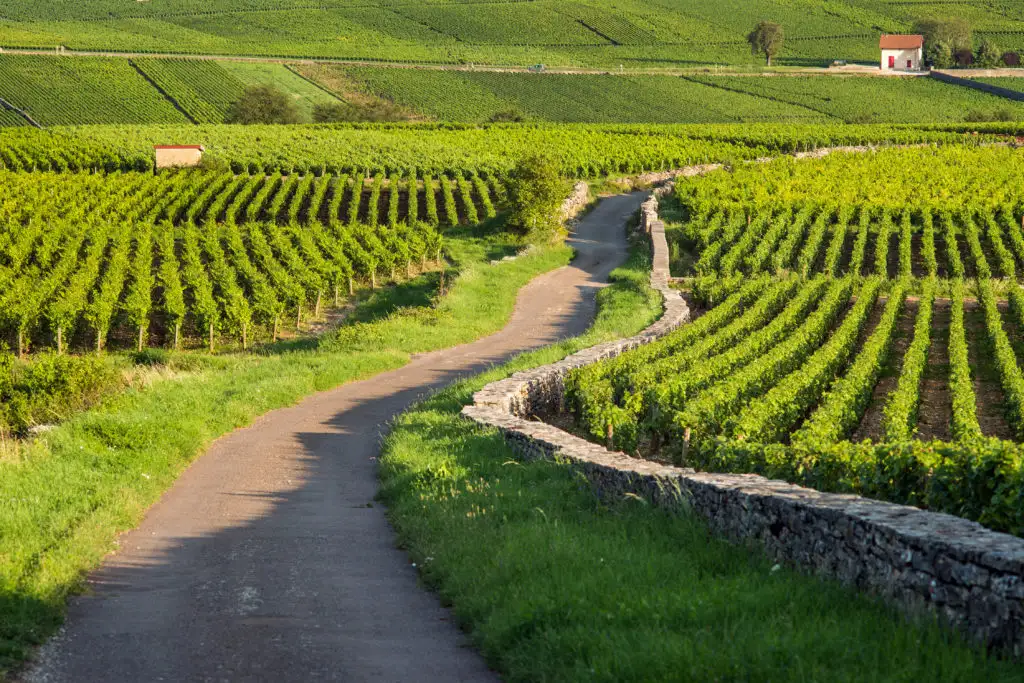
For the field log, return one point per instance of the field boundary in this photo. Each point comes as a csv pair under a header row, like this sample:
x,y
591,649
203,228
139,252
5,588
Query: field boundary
x,y
967,574
950,79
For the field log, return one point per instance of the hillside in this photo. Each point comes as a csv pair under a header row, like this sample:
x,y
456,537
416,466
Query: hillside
x,y
630,33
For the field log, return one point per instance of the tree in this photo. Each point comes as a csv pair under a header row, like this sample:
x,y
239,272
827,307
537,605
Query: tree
x,y
940,54
989,55
263,104
956,32
1011,58
766,39
536,193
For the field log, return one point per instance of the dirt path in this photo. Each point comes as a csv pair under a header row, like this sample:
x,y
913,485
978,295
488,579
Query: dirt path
x,y
268,559
935,412
870,426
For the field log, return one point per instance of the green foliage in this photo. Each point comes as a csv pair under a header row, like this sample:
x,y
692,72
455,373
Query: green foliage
x,y
536,193
262,104
988,55
766,39
49,388
954,32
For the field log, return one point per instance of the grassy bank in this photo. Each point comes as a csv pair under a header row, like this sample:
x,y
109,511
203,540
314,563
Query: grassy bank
x,y
68,493
553,585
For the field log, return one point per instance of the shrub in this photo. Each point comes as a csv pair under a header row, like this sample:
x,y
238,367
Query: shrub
x,y
536,193
263,104
1011,59
988,55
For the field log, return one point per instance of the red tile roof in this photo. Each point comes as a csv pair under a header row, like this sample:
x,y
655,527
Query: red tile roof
x,y
897,42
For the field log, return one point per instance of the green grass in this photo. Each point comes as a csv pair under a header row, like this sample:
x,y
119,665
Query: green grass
x,y
68,494
553,585
304,94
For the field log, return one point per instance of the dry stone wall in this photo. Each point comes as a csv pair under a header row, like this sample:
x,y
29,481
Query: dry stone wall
x,y
970,575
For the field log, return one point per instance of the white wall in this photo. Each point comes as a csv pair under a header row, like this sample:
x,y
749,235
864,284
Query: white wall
x,y
901,59
169,158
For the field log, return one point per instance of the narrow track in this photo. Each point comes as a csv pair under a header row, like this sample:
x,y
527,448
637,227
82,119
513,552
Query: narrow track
x,y
268,559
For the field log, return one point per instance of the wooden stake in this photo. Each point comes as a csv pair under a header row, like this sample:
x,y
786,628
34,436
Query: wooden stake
x,y
21,344
142,332
211,337
351,286
177,336
318,297
276,319
60,339
610,436
298,317
245,337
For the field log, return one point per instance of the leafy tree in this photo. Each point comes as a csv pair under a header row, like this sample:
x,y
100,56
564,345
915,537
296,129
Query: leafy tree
x,y
989,55
955,32
1011,58
940,54
536,193
766,39
263,104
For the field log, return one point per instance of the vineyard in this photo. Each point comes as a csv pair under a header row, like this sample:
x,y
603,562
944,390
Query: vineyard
x,y
854,336
140,260
558,32
585,151
859,99
82,91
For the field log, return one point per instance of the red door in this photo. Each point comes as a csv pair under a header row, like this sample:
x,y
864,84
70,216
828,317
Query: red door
x,y
910,64
892,61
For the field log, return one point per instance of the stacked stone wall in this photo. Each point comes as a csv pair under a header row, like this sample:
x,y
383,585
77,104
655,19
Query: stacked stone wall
x,y
970,575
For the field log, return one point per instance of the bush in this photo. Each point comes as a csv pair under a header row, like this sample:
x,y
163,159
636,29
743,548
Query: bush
x,y
988,55
940,55
964,57
48,388
536,192
263,104
1011,59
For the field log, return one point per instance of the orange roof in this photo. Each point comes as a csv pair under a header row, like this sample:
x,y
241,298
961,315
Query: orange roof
x,y
897,42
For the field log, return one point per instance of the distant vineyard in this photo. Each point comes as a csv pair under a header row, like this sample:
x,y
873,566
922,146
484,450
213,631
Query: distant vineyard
x,y
862,99
203,89
158,259
82,90
479,96
563,32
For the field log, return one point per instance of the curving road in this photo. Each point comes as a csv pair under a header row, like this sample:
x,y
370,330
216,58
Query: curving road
x,y
267,561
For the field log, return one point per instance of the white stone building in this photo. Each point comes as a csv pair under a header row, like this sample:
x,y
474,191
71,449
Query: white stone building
x,y
902,53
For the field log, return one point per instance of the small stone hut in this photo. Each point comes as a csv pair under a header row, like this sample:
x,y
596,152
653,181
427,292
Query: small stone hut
x,y
171,156
902,52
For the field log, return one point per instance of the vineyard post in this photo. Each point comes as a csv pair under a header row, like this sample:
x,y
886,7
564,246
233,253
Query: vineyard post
x,y
351,286
686,448
177,335
298,317
211,337
99,341
610,436
245,336
337,295
277,320
142,331
21,343
319,295
60,339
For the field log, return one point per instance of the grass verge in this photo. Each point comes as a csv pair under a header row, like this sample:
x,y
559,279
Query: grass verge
x,y
551,584
66,495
